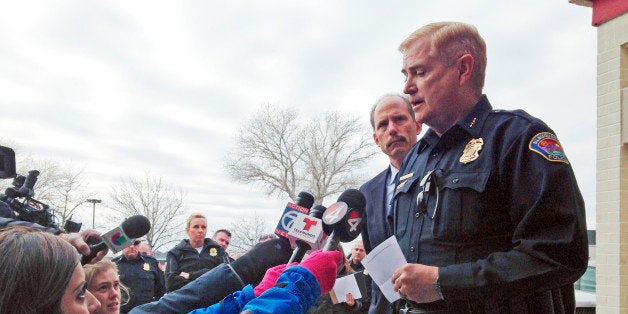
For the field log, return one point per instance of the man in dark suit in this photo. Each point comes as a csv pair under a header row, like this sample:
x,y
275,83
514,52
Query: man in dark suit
x,y
395,132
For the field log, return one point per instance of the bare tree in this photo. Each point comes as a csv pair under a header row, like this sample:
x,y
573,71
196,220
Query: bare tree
x,y
268,151
245,232
69,192
284,155
161,204
334,148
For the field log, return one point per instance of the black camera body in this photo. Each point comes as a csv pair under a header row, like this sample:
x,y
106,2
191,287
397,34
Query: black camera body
x,y
20,199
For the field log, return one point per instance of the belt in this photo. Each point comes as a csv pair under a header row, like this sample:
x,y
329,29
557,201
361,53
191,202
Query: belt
x,y
409,307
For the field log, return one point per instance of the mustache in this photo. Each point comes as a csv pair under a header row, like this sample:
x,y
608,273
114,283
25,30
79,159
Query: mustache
x,y
396,138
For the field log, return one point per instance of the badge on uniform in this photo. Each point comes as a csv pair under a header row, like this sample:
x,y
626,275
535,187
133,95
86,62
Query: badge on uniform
x,y
547,145
471,152
146,266
213,251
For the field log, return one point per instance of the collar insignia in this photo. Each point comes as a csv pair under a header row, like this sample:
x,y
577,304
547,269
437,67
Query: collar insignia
x,y
400,185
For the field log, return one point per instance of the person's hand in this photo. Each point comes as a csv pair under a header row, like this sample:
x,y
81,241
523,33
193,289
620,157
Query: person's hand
x,y
416,282
350,299
185,275
270,278
324,265
80,240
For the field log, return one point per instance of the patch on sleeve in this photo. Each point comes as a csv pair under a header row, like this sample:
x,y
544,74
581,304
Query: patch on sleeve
x,y
547,145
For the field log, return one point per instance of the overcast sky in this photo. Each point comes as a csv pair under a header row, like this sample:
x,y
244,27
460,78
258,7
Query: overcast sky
x,y
125,87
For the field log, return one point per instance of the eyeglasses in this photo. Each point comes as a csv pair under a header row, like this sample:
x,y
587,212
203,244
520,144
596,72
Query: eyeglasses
x,y
137,242
423,196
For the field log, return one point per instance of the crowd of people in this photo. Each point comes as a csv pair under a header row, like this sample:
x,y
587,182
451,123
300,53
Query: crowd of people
x,y
484,206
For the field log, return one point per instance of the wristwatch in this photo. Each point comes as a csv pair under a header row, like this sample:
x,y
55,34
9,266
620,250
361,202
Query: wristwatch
x,y
437,288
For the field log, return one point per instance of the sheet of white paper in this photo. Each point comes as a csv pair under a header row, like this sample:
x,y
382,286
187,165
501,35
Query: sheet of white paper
x,y
381,263
344,285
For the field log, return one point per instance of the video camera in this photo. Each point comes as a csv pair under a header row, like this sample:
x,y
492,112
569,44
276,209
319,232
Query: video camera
x,y
28,208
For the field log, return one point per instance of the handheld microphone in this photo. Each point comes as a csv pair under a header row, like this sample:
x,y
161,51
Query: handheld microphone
x,y
120,237
305,199
344,219
303,203
310,235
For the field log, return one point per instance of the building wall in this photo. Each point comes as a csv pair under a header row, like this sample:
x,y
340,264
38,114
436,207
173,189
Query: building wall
x,y
612,167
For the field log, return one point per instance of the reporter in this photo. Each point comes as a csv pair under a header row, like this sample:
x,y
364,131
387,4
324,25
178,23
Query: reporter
x,y
104,283
41,273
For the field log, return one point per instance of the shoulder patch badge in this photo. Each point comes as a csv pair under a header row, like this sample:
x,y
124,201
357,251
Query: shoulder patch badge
x,y
547,145
213,252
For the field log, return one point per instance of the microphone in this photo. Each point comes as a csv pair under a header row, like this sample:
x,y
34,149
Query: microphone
x,y
344,219
305,199
120,237
308,241
292,212
252,266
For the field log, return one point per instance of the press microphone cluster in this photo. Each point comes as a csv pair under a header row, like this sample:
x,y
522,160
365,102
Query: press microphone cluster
x,y
120,237
342,221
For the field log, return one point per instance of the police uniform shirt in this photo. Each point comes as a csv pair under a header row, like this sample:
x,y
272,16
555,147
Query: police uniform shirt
x,y
503,213
143,277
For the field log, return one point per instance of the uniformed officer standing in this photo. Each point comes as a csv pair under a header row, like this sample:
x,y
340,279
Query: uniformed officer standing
x,y
141,274
487,209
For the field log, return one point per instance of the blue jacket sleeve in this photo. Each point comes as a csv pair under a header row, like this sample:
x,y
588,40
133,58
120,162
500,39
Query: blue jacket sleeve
x,y
233,303
296,291
206,290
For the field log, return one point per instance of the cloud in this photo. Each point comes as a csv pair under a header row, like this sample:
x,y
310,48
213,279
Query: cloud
x,y
128,87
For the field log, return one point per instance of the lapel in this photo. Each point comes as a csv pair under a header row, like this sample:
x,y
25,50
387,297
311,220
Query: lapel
x,y
378,206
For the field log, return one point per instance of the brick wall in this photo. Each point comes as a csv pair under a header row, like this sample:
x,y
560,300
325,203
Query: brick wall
x,y
612,167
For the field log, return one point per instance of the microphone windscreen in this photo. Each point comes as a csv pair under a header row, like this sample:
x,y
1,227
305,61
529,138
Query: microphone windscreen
x,y
136,226
354,199
305,199
318,211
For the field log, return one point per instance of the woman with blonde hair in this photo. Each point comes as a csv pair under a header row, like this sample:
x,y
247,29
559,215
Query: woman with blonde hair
x,y
104,283
193,256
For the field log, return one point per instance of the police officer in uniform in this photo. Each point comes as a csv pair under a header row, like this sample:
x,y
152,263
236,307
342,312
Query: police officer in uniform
x,y
141,274
193,257
487,210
